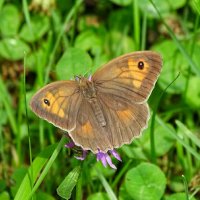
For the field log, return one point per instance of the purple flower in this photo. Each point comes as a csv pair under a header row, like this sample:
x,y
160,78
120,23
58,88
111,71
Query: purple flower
x,y
70,144
103,157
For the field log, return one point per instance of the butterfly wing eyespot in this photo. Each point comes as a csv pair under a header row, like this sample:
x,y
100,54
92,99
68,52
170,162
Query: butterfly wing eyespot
x,y
140,65
47,102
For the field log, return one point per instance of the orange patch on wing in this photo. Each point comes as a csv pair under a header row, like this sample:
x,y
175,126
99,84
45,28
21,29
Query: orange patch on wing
x,y
137,74
87,130
125,115
131,62
55,105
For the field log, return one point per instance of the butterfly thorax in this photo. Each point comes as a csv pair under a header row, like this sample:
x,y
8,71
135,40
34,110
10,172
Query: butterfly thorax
x,y
88,90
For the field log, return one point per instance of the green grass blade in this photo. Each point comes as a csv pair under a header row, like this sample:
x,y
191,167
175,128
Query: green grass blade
x,y
196,5
37,165
67,19
178,138
27,124
48,165
188,133
106,186
5,98
152,140
186,187
194,67
144,31
136,24
25,192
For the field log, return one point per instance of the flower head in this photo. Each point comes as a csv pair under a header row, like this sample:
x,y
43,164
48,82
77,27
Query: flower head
x,y
101,156
106,159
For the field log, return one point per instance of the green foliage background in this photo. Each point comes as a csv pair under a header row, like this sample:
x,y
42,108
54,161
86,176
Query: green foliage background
x,y
44,41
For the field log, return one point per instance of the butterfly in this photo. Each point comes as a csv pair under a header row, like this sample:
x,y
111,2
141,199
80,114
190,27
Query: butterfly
x,y
109,109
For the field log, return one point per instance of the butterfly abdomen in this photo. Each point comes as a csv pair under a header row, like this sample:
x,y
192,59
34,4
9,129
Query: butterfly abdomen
x,y
98,113
88,91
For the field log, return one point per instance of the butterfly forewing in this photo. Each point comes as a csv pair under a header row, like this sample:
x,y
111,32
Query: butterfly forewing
x,y
132,76
58,103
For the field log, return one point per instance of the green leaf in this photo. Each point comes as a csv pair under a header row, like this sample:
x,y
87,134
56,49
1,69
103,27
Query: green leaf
x,y
9,20
145,182
44,196
39,56
65,188
164,7
122,2
39,26
13,49
4,196
176,184
89,40
135,152
98,196
17,176
126,44
147,7
193,92
123,194
176,4
116,19
73,62
178,196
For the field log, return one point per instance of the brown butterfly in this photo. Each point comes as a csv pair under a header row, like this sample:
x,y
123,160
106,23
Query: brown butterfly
x,y
108,110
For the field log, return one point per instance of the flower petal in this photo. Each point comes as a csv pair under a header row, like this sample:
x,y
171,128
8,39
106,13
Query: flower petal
x,y
99,155
103,160
90,78
109,161
70,144
115,154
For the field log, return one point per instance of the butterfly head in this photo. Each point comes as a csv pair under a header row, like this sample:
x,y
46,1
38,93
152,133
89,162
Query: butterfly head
x,y
80,78
86,87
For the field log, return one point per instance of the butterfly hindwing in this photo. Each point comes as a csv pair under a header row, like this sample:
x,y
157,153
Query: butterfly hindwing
x,y
124,122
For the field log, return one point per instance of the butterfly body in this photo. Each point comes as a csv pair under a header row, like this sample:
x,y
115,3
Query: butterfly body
x,y
106,111
89,94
